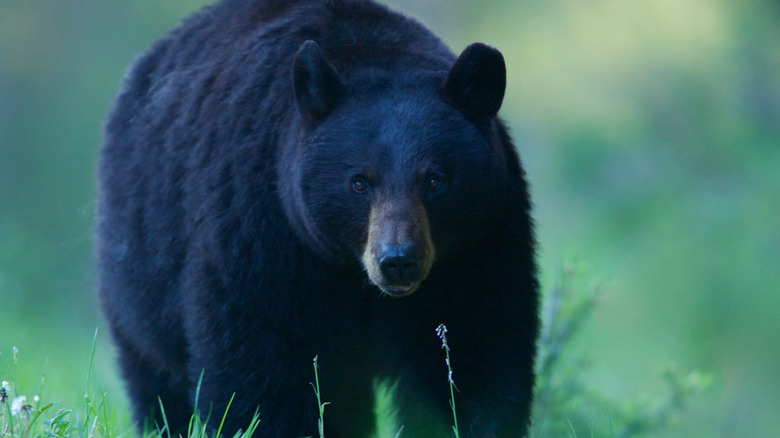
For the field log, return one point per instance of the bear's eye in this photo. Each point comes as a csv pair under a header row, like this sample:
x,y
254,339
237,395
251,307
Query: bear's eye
x,y
359,184
433,182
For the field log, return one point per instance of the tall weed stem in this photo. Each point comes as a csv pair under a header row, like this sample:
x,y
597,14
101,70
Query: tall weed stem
x,y
441,332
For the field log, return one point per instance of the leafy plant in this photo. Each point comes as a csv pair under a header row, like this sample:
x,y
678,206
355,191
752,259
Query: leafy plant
x,y
564,404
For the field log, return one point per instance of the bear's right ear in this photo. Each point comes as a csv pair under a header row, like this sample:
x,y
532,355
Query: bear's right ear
x,y
477,81
318,86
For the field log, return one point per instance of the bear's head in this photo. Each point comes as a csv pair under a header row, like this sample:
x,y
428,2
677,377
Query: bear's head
x,y
396,170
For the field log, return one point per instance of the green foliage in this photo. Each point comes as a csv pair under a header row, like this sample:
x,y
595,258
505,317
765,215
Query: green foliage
x,y
21,417
565,405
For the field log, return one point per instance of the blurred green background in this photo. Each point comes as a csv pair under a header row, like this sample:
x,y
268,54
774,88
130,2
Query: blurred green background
x,y
650,130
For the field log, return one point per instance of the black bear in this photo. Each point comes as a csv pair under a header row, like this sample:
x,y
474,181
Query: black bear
x,y
285,179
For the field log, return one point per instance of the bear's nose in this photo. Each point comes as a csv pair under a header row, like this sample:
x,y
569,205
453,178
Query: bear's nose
x,y
400,264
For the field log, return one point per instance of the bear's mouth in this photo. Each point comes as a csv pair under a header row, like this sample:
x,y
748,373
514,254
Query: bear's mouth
x,y
399,290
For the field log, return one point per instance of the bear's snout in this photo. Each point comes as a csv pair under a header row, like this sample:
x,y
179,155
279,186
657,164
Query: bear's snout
x,y
400,265
399,252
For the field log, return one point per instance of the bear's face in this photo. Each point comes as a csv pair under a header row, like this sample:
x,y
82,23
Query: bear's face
x,y
398,182
393,176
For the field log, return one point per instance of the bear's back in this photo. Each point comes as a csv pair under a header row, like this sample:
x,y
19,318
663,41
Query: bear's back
x,y
195,133
229,67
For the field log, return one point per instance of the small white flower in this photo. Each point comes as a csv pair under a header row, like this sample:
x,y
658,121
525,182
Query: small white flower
x,y
36,399
18,404
5,388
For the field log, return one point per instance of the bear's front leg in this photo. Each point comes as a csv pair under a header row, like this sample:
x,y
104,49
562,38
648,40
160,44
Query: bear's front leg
x,y
244,356
493,346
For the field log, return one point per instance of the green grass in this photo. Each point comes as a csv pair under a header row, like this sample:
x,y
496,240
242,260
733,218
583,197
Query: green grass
x,y
25,417
565,406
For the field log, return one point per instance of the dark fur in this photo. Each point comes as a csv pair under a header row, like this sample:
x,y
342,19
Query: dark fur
x,y
231,241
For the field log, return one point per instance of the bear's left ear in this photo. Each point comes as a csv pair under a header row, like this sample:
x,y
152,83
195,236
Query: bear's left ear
x,y
477,81
318,86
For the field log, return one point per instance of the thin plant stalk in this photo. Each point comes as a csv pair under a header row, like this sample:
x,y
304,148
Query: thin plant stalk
x,y
320,404
87,399
441,332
